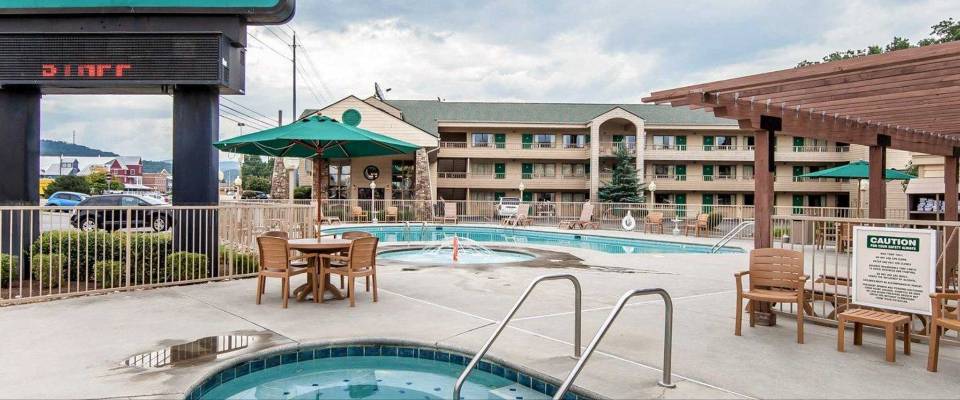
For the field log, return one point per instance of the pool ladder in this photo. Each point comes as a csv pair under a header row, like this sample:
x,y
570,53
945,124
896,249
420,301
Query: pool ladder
x,y
730,235
568,382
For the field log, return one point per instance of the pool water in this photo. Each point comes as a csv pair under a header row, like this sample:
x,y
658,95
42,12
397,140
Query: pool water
x,y
369,378
445,256
509,236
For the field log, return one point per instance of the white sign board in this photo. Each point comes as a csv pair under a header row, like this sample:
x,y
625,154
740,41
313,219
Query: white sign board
x,y
894,268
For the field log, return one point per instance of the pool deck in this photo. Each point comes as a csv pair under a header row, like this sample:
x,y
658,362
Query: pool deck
x,y
74,348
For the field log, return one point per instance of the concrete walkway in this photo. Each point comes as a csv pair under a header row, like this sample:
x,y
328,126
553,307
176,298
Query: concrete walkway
x,y
75,348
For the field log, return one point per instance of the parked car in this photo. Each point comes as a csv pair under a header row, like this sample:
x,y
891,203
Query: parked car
x,y
254,194
155,214
65,199
507,207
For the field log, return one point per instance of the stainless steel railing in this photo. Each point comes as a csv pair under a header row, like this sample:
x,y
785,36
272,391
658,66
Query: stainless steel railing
x,y
503,324
667,338
730,235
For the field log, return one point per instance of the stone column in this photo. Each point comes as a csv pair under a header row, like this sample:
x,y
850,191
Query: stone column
x,y
280,180
594,161
423,192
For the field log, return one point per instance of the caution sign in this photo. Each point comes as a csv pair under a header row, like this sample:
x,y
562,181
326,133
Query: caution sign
x,y
894,268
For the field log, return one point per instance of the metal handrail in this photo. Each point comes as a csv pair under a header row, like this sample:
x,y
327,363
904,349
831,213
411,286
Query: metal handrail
x,y
730,235
503,324
667,338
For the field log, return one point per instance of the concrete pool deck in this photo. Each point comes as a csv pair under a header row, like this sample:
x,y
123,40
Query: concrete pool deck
x,y
74,348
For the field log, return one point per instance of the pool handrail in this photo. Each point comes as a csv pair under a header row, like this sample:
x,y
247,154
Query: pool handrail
x,y
730,235
503,324
667,339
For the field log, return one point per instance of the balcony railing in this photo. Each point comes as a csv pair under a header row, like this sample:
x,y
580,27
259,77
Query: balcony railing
x,y
514,146
453,175
697,178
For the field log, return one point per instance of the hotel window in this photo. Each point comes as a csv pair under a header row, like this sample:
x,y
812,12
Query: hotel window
x,y
663,198
751,142
748,199
664,142
573,170
544,170
481,169
816,200
482,196
544,140
574,141
482,140
402,177
339,182
573,197
726,172
726,142
725,199
748,171
662,171
543,196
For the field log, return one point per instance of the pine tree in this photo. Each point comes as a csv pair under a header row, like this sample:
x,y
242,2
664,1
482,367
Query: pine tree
x,y
624,187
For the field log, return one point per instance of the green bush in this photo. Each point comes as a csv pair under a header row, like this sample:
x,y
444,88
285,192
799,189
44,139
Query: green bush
x,y
714,219
148,252
67,183
780,232
109,274
9,269
183,266
48,269
81,250
302,192
243,262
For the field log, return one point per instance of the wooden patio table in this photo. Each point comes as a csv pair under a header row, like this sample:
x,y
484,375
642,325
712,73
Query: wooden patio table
x,y
888,321
324,245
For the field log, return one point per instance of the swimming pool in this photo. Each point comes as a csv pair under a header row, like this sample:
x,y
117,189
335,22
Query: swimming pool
x,y
508,236
370,371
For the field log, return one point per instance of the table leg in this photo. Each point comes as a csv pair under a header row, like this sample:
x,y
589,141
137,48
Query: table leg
x,y
857,334
840,331
906,338
303,290
891,333
329,287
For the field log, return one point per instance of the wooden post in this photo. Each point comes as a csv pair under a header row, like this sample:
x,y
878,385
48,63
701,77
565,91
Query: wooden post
x,y
878,187
950,197
764,167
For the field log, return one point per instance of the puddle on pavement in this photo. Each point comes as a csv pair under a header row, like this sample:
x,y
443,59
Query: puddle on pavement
x,y
210,348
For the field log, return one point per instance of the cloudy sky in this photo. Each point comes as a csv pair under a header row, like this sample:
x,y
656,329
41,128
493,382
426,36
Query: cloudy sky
x,y
563,51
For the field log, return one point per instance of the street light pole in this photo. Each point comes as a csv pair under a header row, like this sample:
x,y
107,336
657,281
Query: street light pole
x,y
373,202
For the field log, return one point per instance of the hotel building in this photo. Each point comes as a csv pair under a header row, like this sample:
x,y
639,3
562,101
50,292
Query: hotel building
x,y
566,152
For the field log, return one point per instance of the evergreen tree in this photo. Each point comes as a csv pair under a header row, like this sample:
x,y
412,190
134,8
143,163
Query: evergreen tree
x,y
624,187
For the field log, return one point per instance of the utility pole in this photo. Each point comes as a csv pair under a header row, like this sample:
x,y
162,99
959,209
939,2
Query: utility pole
x,y
294,46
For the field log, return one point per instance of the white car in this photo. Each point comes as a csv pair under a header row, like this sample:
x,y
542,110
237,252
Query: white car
x,y
507,207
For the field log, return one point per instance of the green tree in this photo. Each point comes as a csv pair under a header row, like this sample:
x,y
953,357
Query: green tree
x,y
255,166
257,183
99,183
67,183
624,187
302,192
945,31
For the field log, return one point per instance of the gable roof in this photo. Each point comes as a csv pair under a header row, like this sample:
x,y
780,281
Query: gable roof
x,y
425,113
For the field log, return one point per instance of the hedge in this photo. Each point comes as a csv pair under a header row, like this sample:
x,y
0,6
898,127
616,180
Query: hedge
x,y
80,250
184,266
48,269
243,262
109,274
9,269
149,253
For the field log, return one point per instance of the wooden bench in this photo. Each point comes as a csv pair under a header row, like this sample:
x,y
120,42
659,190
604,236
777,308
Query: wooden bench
x,y
888,321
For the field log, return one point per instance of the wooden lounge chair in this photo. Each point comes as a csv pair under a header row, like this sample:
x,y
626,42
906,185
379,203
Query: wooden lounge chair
x,y
275,262
586,214
521,217
449,213
943,318
776,276
654,222
701,224
360,261
357,214
391,213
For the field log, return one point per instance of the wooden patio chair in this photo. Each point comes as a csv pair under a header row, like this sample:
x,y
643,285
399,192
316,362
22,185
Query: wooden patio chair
x,y
654,222
276,262
586,217
701,224
449,213
393,213
351,235
520,218
360,261
844,236
776,276
357,214
944,317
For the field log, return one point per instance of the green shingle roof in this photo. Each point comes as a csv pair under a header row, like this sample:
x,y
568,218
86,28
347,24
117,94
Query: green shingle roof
x,y
424,114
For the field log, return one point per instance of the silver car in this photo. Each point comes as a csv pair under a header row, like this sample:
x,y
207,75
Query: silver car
x,y
507,207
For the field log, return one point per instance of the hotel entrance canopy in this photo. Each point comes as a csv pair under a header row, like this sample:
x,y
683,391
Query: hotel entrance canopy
x,y
907,99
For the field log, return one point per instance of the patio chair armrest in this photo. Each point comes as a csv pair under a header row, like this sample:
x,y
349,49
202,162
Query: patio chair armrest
x,y
334,257
740,274
739,277
803,278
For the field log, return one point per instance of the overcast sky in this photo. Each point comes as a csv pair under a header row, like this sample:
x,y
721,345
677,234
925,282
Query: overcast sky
x,y
561,51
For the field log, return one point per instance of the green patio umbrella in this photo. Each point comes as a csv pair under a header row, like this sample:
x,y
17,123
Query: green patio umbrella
x,y
858,170
316,137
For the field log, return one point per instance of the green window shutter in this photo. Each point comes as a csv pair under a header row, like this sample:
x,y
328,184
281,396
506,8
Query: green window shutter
x,y
797,171
707,143
500,140
707,172
797,204
527,140
681,200
681,142
707,203
500,170
526,170
797,142
586,168
587,140
680,172
527,196
498,195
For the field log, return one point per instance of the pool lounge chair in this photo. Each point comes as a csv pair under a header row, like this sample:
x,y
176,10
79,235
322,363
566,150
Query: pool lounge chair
x,y
654,222
586,215
449,213
520,218
776,276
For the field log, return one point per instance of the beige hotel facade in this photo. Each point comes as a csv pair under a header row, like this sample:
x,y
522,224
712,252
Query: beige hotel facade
x,y
563,152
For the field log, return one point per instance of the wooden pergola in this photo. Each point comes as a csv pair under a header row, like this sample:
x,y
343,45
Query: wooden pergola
x,y
907,100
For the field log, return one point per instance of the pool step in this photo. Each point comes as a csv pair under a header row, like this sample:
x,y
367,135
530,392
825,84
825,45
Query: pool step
x,y
515,392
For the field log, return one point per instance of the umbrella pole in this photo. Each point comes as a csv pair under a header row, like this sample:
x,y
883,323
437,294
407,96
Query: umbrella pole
x,y
318,166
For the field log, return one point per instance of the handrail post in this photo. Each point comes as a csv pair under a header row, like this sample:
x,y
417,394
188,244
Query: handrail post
x,y
503,324
667,339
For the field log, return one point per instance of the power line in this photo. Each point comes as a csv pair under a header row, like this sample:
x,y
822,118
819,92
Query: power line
x,y
310,86
316,71
247,116
270,47
274,33
246,108
245,119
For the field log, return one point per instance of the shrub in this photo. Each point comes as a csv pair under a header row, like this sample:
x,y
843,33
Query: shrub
x,y
780,232
48,269
109,274
243,262
183,266
67,183
714,219
302,192
9,269
148,253
80,250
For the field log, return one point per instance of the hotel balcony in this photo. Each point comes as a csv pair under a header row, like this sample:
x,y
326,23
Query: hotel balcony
x,y
516,150
511,181
609,149
744,153
557,181
726,183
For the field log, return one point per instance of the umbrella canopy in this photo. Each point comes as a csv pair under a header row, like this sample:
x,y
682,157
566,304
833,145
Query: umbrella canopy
x,y
313,136
857,170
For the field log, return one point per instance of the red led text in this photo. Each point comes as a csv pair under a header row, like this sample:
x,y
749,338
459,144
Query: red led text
x,y
85,70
